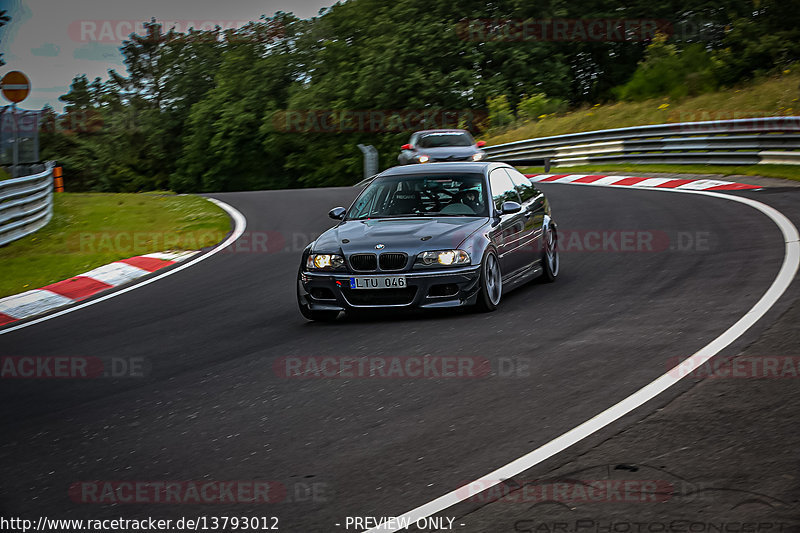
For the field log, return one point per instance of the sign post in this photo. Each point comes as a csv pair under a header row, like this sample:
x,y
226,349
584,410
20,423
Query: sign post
x,y
15,87
15,148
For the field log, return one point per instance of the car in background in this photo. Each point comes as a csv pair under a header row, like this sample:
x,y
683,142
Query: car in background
x,y
429,146
431,236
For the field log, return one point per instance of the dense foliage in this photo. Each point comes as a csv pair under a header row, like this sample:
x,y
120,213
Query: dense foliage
x,y
232,110
4,19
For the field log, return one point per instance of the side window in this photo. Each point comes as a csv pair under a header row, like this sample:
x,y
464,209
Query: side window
x,y
364,203
525,188
502,188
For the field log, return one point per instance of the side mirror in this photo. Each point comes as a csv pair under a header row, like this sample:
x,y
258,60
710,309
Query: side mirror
x,y
406,147
480,144
337,213
509,208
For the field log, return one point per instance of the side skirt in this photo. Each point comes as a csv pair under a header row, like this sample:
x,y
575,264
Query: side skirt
x,y
522,277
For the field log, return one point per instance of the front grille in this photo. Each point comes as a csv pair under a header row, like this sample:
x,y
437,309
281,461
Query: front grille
x,y
402,296
393,261
364,262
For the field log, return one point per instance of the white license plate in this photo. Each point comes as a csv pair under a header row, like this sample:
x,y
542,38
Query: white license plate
x,y
378,282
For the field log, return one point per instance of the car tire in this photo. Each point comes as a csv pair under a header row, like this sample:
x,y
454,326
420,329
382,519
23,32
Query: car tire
x,y
551,261
490,283
310,314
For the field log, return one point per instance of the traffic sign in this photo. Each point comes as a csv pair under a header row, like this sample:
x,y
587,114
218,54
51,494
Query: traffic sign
x,y
15,86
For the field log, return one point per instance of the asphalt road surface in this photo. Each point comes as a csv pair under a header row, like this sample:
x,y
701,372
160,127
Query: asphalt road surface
x,y
646,278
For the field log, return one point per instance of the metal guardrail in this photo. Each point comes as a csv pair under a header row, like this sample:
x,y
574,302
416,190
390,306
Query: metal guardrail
x,y
770,140
26,204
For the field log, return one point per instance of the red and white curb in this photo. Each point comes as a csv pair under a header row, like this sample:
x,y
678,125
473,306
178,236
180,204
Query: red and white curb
x,y
82,286
640,182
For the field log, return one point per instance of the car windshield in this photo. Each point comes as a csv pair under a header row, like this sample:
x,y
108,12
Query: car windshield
x,y
436,140
440,195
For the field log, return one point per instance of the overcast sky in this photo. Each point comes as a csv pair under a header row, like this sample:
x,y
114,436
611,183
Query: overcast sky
x,y
53,40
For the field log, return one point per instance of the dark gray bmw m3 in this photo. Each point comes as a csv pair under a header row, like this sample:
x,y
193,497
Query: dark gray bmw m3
x,y
431,236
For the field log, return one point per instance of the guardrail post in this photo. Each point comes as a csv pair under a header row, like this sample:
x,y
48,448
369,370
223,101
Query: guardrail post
x,y
370,160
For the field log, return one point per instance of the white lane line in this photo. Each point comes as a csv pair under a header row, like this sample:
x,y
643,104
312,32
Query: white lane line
x,y
786,274
239,225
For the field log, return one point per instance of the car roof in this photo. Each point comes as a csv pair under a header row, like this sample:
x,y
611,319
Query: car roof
x,y
454,130
462,167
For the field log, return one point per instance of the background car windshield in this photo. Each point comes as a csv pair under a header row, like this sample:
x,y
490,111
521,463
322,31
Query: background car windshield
x,y
436,140
419,196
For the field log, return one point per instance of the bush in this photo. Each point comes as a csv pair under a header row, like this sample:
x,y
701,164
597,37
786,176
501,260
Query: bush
x,y
500,113
536,105
667,71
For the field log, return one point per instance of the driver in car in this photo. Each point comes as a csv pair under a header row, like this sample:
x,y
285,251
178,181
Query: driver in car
x,y
471,198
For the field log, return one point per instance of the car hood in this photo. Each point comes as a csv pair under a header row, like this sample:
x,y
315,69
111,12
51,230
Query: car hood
x,y
398,234
448,151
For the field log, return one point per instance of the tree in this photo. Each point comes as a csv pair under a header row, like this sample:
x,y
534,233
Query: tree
x,y
224,147
667,70
202,110
4,19
759,41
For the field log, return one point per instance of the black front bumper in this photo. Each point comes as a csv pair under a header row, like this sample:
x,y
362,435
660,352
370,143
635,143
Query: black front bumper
x,y
328,291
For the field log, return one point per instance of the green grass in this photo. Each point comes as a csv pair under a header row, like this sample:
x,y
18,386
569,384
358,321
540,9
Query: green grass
x,y
791,172
775,96
91,229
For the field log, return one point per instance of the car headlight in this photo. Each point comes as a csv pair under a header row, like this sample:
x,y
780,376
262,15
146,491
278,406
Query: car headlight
x,y
324,262
444,257
423,159
478,156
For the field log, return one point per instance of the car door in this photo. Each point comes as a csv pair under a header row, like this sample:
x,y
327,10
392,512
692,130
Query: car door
x,y
508,232
533,209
